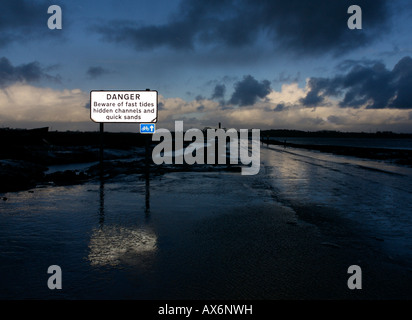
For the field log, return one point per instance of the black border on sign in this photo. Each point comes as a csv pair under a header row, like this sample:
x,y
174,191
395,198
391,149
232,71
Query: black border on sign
x,y
157,104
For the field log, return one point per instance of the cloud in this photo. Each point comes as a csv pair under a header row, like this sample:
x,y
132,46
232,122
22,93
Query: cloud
x,y
23,20
282,110
313,98
289,93
348,64
336,119
248,90
219,91
96,72
280,107
368,84
305,27
30,72
26,103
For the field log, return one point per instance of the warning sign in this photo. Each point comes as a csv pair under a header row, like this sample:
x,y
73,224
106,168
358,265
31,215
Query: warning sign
x,y
123,106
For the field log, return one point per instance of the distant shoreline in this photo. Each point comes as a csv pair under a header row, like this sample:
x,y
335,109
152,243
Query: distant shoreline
x,y
398,156
333,134
264,133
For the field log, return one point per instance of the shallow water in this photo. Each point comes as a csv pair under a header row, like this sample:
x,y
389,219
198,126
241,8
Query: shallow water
x,y
388,143
96,231
374,195
129,238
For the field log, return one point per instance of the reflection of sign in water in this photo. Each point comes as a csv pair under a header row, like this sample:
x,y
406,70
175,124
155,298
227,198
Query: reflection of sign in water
x,y
147,128
123,106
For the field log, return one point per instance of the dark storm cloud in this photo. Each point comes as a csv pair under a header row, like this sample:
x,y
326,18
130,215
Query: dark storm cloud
x,y
219,91
96,72
313,98
370,84
319,88
30,72
24,20
307,27
348,64
248,90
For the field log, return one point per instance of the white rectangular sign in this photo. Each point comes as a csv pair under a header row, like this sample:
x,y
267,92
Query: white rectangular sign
x,y
123,106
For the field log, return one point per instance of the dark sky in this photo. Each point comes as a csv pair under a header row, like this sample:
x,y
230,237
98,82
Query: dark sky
x,y
267,64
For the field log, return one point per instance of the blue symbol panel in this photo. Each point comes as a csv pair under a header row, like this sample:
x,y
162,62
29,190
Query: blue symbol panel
x,y
147,128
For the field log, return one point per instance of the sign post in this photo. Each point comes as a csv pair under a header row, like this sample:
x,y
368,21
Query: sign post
x,y
147,175
125,106
101,149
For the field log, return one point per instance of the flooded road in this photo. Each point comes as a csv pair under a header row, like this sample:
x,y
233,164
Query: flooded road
x,y
204,234
375,196
97,231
